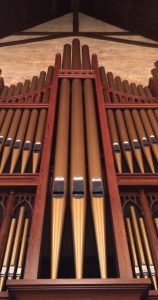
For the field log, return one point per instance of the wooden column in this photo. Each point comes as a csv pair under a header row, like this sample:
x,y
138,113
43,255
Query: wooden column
x,y
6,224
75,10
122,251
34,246
150,228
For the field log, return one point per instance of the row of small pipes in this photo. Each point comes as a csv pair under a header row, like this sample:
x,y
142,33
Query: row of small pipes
x,y
134,133
15,251
21,133
29,92
123,91
141,256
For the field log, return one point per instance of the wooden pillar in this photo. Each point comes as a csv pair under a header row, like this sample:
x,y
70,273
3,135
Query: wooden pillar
x,y
75,10
150,228
121,245
6,224
34,246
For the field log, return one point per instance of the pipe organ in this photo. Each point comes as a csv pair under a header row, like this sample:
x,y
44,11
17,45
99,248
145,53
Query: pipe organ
x,y
78,183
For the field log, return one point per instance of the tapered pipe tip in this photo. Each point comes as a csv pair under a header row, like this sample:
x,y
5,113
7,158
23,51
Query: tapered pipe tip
x,y
22,170
98,210
57,222
152,167
25,159
118,162
78,211
139,159
128,156
154,281
148,156
36,158
2,279
12,169
14,160
2,165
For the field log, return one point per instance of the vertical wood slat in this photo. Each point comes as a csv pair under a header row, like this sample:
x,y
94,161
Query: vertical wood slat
x,y
34,246
22,12
75,10
6,224
122,251
150,228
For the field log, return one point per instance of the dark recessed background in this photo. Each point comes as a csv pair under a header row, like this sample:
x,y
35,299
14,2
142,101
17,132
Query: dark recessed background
x,y
139,16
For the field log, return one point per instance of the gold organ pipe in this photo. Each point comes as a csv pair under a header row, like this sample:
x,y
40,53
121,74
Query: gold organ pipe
x,y
155,73
148,253
19,140
7,254
7,118
5,91
10,138
147,125
60,175
134,89
2,116
95,174
139,242
33,87
7,124
49,78
127,90
25,89
37,149
133,139
40,85
119,87
77,175
28,143
133,248
66,63
148,91
104,82
11,91
77,165
86,58
16,246
153,121
76,57
5,127
124,139
22,249
150,133
143,139
115,140
112,85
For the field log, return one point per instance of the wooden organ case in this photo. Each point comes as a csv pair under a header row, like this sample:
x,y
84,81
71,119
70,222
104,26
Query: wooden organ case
x,y
78,184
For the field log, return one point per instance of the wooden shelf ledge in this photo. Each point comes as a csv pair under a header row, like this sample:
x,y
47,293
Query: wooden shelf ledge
x,y
19,179
89,289
131,105
24,105
137,179
4,295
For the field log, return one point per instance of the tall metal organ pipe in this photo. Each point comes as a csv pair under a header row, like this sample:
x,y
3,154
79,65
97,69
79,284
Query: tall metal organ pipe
x,y
94,167
59,192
